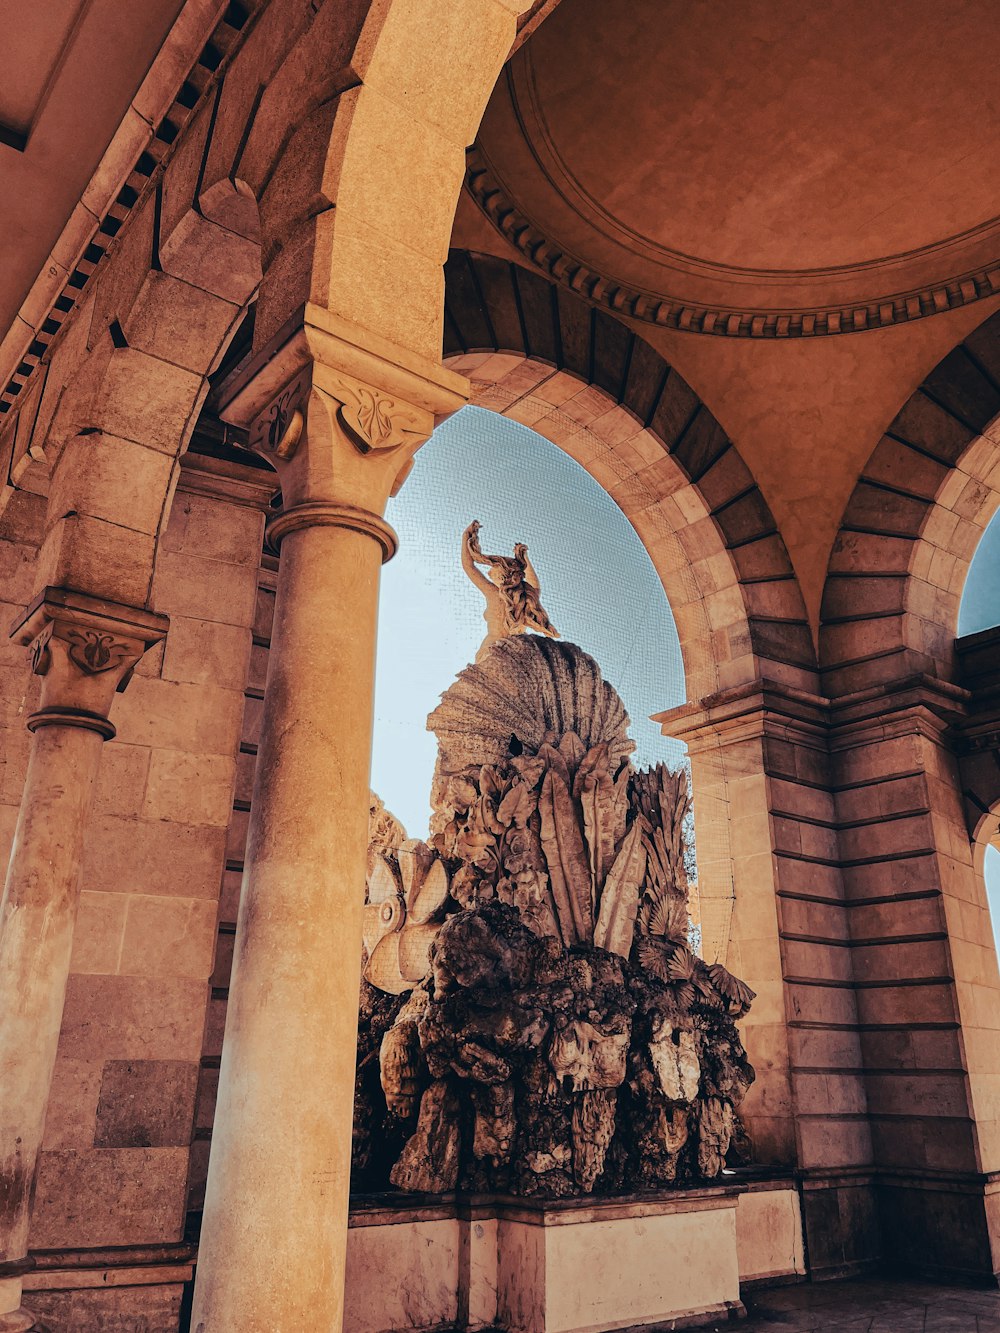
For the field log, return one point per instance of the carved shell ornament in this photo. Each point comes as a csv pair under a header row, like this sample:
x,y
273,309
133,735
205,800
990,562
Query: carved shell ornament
x,y
531,688
407,896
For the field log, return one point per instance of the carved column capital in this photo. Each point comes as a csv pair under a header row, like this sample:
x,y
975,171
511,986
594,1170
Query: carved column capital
x,y
339,414
84,649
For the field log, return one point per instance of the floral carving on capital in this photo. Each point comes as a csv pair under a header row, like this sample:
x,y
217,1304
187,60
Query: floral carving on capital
x,y
277,431
373,420
84,649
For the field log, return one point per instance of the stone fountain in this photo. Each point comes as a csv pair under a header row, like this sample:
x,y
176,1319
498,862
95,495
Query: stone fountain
x,y
534,1024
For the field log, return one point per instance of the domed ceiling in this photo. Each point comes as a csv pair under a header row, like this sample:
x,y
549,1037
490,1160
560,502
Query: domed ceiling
x,y
759,169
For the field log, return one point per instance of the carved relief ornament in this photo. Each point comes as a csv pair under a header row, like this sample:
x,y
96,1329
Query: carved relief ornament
x,y
84,649
371,420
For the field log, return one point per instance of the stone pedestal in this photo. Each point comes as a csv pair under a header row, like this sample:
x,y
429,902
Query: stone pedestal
x,y
581,1266
664,1260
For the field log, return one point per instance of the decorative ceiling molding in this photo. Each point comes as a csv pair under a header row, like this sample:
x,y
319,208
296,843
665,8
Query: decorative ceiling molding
x,y
733,321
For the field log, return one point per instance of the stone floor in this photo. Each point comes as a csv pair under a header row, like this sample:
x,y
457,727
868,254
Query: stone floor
x,y
872,1306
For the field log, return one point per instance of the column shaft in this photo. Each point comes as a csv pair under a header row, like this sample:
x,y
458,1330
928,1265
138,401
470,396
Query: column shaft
x,y
37,916
275,1227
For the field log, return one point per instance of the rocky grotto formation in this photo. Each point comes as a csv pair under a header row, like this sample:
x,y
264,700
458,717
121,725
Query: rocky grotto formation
x,y
533,1020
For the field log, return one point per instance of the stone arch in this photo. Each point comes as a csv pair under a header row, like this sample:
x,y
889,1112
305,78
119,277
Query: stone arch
x,y
909,751
655,446
352,136
909,532
628,462
359,114
114,441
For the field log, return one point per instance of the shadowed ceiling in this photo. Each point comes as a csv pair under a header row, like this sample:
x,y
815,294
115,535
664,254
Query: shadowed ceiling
x,y
71,69
766,173
772,153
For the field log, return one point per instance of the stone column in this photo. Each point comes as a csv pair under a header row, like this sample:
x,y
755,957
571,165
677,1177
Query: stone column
x,y
760,753
84,650
340,421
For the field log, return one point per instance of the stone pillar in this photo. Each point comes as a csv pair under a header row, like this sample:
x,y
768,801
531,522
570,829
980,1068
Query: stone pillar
x,y
340,420
84,650
760,760
925,971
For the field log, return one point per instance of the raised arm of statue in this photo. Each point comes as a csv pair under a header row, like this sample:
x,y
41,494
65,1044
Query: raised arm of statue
x,y
470,554
529,569
511,591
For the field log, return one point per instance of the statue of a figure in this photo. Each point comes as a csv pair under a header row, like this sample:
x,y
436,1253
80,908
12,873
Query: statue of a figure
x,y
511,590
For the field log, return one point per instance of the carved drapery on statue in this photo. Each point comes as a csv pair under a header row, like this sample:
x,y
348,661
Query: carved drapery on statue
x,y
533,1020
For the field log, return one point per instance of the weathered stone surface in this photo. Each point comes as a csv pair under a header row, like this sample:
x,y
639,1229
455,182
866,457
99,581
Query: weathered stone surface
x,y
125,1309
146,1104
566,1040
111,1196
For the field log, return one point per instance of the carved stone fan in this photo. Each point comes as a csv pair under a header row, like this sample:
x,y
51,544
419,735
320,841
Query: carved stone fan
x,y
527,688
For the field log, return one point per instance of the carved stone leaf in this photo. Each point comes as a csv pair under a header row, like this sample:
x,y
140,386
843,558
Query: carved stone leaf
x,y
414,952
615,929
573,750
737,993
680,966
595,791
517,806
652,958
664,913
382,969
383,883
566,858
430,896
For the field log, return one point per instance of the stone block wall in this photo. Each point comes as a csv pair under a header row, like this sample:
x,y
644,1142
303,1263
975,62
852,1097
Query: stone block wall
x,y
229,898
113,1175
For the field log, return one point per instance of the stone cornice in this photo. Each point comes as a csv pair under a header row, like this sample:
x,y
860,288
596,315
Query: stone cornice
x,y
900,306
742,711
66,605
922,702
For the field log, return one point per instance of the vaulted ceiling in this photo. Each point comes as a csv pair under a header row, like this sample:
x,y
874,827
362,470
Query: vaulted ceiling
x,y
796,204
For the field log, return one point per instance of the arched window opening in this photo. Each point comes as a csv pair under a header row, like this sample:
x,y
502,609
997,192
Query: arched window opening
x,y
980,605
599,587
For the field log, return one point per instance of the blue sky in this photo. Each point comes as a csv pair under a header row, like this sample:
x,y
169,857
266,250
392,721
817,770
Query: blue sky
x,y
980,609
